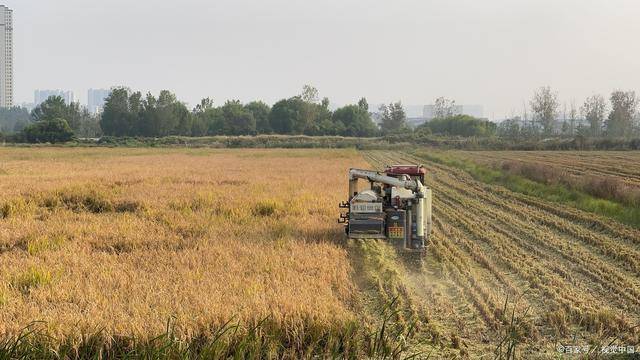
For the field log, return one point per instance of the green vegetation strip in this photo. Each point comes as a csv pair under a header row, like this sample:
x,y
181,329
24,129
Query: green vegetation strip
x,y
625,214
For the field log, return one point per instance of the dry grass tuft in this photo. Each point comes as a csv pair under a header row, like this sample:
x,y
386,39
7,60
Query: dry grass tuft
x,y
13,208
268,208
33,277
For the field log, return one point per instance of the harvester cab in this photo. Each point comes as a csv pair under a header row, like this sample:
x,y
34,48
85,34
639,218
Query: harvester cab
x,y
395,207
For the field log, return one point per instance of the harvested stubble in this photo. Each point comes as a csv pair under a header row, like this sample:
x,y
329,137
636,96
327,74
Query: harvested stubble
x,y
574,274
121,240
604,174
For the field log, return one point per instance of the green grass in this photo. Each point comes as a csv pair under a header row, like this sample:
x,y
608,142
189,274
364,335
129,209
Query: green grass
x,y
31,278
232,340
625,214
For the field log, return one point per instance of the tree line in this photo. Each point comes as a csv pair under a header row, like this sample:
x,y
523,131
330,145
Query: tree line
x,y
128,113
52,121
594,118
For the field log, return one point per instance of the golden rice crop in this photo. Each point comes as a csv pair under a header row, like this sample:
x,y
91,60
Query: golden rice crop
x,y
125,239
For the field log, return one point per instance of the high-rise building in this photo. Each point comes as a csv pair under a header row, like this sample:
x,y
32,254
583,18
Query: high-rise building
x,y
6,57
95,99
40,96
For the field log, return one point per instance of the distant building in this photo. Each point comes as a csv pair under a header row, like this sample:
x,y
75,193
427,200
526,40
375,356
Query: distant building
x,y
476,111
96,98
28,106
6,56
40,96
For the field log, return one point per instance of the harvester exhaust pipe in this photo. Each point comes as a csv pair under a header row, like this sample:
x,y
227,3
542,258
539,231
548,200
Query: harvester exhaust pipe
x,y
420,216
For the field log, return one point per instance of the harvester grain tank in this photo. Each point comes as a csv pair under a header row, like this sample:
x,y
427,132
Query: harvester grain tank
x,y
396,206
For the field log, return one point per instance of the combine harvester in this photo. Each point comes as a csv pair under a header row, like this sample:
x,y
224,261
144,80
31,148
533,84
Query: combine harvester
x,y
396,207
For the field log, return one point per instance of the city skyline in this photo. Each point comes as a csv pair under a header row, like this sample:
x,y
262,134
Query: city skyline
x,y
414,53
40,96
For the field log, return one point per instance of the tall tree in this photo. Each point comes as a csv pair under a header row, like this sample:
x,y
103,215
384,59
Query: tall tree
x,y
313,111
56,108
573,117
52,108
200,123
286,116
394,119
444,108
623,110
121,112
238,120
545,108
593,110
363,104
310,94
356,121
260,112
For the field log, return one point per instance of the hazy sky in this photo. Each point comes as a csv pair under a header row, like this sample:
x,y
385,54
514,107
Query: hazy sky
x,y
489,52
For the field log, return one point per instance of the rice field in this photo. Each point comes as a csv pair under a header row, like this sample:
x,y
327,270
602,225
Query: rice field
x,y
124,240
237,252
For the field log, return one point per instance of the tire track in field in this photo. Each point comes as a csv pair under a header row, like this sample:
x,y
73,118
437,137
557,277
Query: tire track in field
x,y
450,275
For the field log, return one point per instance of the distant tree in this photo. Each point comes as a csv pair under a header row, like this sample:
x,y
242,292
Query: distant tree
x,y
623,109
185,120
573,117
545,108
314,113
48,131
13,119
204,105
354,121
444,108
584,131
510,128
286,116
394,118
593,110
56,108
565,131
461,125
363,104
52,108
121,112
90,126
147,121
319,119
260,112
309,94
200,119
215,121
237,120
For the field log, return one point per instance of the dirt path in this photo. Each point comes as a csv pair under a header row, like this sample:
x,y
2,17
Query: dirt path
x,y
577,276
